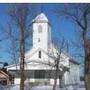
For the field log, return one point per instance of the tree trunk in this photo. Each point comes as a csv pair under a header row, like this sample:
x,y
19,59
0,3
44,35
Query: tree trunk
x,y
55,80
56,72
86,61
22,58
87,72
22,81
87,81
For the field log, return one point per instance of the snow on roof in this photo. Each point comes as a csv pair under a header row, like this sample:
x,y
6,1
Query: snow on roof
x,y
40,17
71,59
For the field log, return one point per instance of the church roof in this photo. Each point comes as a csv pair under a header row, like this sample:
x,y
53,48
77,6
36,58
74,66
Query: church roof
x,y
73,61
3,74
41,18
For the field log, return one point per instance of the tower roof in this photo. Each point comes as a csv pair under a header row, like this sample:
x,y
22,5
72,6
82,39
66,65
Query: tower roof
x,y
41,18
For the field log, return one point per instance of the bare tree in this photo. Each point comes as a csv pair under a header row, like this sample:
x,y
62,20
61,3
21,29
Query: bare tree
x,y
19,17
12,49
60,47
80,15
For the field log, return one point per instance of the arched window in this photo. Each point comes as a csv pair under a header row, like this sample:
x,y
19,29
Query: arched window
x,y
38,39
39,54
39,28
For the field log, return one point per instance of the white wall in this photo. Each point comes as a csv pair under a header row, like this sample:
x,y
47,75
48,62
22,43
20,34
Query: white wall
x,y
17,81
43,36
72,77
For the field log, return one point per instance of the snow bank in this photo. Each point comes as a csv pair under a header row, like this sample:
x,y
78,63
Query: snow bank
x,y
42,87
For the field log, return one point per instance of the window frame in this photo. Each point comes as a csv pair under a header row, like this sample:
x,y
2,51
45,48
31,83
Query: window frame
x,y
39,54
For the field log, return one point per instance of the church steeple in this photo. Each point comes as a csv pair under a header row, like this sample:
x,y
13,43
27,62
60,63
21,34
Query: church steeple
x,y
41,32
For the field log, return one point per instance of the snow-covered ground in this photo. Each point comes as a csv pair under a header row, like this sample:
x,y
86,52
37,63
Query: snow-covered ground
x,y
43,87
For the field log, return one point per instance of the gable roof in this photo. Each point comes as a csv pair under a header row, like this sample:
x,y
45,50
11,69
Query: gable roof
x,y
30,53
33,51
3,74
73,61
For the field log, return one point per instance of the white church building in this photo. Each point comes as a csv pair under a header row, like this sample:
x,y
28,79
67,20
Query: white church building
x,y
40,60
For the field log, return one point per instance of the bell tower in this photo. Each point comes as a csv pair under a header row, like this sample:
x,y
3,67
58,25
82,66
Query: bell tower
x,y
41,32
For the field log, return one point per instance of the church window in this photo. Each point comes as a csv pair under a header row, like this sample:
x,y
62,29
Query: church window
x,y
39,54
39,28
38,39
